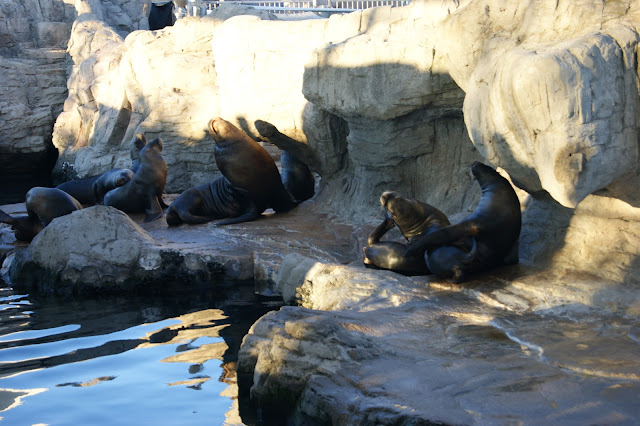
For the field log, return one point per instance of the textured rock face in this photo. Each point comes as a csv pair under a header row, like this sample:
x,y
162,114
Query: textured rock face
x,y
33,65
555,114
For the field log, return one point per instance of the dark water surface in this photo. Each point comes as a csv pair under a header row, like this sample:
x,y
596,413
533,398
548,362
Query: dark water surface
x,y
165,359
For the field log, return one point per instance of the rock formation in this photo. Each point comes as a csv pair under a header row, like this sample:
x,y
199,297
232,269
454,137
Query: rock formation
x,y
400,99
33,62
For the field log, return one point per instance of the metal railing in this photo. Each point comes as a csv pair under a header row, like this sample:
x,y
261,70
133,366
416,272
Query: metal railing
x,y
205,7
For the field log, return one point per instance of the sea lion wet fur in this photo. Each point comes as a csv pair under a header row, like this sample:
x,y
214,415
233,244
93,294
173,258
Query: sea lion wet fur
x,y
144,192
249,167
494,226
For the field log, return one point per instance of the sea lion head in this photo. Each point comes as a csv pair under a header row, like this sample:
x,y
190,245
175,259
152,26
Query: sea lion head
x,y
411,216
138,142
124,176
485,175
221,130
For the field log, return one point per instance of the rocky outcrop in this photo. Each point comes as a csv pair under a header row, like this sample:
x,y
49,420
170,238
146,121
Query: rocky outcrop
x,y
374,347
33,64
124,254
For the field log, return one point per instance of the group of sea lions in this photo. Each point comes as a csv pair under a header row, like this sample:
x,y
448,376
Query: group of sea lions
x,y
250,183
486,238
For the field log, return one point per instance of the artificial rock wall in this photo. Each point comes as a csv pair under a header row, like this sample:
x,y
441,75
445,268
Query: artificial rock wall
x,y
391,98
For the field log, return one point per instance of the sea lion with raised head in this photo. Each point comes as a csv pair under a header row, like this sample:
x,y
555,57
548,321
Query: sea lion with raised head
x,y
43,205
91,190
249,167
297,178
413,218
144,192
494,226
217,199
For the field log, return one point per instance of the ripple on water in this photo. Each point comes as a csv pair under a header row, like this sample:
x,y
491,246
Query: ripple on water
x,y
162,359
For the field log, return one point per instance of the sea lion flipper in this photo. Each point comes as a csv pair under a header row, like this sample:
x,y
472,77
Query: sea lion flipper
x,y
386,225
6,218
251,214
448,235
153,210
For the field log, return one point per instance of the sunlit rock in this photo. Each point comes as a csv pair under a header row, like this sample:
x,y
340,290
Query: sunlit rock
x,y
554,104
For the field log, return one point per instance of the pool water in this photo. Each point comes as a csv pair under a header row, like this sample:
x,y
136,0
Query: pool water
x,y
163,359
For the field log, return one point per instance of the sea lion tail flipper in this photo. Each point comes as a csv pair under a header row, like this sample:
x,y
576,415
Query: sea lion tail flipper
x,y
153,210
6,218
248,216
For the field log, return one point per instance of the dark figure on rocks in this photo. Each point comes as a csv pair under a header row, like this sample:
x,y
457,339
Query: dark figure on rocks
x,y
494,227
413,218
297,178
91,190
161,15
144,192
214,200
250,169
43,205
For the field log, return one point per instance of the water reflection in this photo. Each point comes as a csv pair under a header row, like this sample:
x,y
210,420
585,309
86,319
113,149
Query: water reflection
x,y
162,359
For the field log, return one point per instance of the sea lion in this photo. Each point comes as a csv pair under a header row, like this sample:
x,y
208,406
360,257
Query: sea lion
x,y
91,190
43,205
144,192
249,167
217,199
494,226
413,218
297,178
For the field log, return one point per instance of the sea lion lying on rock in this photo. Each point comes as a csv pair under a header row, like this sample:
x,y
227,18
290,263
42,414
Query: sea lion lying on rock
x,y
214,200
91,190
249,168
494,227
43,205
144,192
413,218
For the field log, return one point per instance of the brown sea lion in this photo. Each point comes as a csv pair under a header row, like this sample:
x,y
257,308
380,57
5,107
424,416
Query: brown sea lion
x,y
144,192
297,178
217,199
249,167
494,226
91,190
413,218
43,205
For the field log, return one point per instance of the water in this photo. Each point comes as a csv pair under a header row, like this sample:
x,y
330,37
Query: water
x,y
163,359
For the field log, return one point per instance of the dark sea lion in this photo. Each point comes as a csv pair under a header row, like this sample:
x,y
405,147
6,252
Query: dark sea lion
x,y
413,218
494,226
391,254
91,190
43,205
217,199
144,192
48,203
297,178
249,167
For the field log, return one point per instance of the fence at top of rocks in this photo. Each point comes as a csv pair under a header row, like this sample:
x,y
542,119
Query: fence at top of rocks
x,y
205,7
